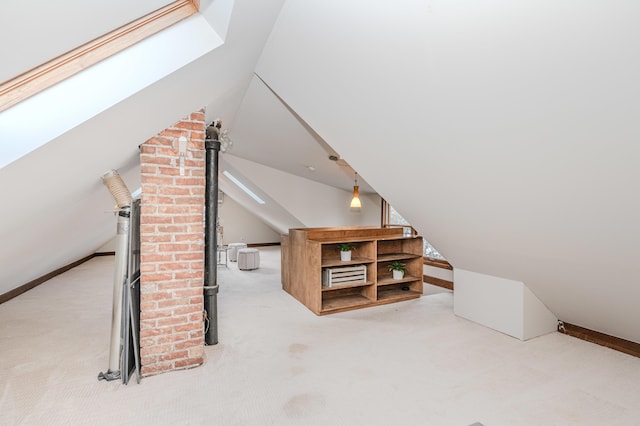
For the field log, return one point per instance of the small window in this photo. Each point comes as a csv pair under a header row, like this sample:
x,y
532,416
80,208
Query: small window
x,y
391,218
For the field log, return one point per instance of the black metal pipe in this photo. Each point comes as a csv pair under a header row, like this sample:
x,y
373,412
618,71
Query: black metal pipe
x,y
212,149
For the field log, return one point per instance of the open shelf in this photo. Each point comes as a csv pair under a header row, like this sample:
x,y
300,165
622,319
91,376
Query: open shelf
x,y
352,285
355,260
311,258
388,280
389,257
397,294
344,302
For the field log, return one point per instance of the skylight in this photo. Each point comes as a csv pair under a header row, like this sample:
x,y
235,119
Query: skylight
x,y
243,187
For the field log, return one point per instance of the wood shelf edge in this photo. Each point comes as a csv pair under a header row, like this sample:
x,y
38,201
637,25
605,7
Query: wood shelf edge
x,y
328,263
397,296
406,296
387,257
340,287
390,281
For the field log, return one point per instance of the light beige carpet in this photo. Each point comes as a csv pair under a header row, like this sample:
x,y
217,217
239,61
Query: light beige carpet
x,y
410,363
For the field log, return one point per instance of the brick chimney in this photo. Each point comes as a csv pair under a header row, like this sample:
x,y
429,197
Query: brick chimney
x,y
172,249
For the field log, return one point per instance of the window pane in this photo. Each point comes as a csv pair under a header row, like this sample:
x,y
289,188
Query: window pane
x,y
431,252
396,219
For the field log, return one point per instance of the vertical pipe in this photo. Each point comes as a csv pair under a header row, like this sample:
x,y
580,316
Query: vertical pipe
x,y
122,196
119,279
212,147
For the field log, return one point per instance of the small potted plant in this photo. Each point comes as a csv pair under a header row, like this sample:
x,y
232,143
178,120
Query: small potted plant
x,y
345,251
398,269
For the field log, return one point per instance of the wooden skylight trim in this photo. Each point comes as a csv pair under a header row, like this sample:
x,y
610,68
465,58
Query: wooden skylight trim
x,y
64,66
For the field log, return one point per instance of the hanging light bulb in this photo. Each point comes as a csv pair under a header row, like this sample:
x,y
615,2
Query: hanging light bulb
x,y
355,202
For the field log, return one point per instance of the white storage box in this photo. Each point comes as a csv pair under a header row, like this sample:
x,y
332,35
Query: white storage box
x,y
343,275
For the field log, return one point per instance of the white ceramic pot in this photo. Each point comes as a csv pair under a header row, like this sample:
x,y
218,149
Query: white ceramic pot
x,y
398,275
345,256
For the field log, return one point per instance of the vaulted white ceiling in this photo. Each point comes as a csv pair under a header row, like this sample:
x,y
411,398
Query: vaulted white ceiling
x,y
505,132
267,131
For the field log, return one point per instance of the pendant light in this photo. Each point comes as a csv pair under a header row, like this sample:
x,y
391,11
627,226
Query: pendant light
x,y
355,202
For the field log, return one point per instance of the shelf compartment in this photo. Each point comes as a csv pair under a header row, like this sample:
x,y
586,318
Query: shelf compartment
x,y
389,257
362,252
355,260
408,248
388,280
396,294
337,276
344,303
345,298
351,285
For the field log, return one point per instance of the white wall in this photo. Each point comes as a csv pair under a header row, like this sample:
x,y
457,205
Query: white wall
x,y
515,123
242,226
504,305
443,274
538,320
109,246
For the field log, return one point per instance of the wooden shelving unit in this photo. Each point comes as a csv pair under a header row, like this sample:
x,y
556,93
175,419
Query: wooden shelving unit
x,y
307,251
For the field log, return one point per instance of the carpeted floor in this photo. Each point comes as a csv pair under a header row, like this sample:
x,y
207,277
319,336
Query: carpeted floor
x,y
410,363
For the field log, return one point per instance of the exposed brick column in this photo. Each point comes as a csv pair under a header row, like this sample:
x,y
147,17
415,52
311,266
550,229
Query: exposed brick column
x,y
172,249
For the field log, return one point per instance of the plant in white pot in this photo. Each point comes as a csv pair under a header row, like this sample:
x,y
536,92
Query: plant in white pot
x,y
345,251
397,269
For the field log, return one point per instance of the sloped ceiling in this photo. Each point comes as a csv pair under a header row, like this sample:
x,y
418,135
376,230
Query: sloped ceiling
x,y
506,133
295,201
60,207
268,132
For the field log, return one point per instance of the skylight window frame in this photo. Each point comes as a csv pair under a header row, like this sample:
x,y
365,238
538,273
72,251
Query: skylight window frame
x,y
244,188
64,66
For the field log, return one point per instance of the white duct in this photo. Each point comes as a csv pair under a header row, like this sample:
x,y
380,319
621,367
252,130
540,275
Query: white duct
x,y
117,187
122,196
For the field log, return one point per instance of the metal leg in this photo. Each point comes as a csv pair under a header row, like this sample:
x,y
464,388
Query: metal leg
x,y
223,256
